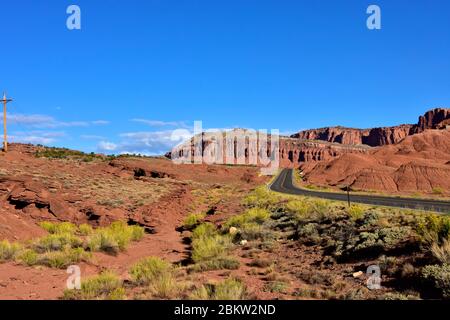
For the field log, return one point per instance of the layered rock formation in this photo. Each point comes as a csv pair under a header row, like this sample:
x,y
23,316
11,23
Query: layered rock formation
x,y
258,149
421,162
433,119
309,146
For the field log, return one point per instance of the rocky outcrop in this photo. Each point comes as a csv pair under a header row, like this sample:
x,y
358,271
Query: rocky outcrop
x,y
433,119
421,162
312,145
292,152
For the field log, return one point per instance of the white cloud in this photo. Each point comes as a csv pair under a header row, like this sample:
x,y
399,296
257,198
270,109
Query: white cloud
x,y
107,146
146,143
36,137
158,123
100,122
44,121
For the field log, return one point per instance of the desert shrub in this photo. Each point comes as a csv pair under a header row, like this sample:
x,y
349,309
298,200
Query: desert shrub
x,y
85,229
219,263
204,230
376,242
126,233
202,293
262,197
398,296
437,278
441,252
104,286
8,250
260,263
320,207
438,190
63,153
193,220
230,289
433,228
209,247
299,208
371,218
208,244
149,269
56,241
58,228
63,258
276,287
356,212
103,241
28,257
165,287
114,238
253,231
309,233
254,215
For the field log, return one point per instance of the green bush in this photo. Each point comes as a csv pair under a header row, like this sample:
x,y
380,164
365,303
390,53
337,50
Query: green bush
x,y
262,197
437,277
114,238
165,287
433,228
219,263
356,212
85,229
59,228
56,241
61,259
441,252
103,240
230,289
149,269
204,230
206,248
104,286
254,215
299,208
28,257
8,250
193,220
276,287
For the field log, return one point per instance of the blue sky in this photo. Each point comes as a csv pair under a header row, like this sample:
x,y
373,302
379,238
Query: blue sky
x,y
139,69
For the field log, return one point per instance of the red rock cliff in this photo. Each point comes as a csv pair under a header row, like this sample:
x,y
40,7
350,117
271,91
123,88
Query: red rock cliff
x,y
433,119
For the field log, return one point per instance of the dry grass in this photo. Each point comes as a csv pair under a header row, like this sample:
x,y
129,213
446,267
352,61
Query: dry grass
x,y
441,252
106,286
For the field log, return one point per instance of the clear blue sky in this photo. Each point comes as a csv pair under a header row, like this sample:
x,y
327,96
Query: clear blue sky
x,y
287,65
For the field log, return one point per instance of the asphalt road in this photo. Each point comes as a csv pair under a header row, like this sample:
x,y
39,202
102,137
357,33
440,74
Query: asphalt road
x,y
284,184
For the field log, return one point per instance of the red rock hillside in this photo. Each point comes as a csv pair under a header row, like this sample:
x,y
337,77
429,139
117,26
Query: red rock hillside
x,y
433,119
420,163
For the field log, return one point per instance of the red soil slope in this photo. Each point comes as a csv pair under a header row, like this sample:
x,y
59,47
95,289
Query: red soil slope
x,y
420,163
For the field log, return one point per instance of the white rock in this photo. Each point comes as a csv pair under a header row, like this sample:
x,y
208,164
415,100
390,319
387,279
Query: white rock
x,y
358,274
233,230
243,242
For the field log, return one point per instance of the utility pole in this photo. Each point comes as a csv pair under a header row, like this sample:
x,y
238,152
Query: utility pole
x,y
5,140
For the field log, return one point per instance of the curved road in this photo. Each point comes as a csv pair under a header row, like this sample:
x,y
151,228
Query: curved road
x,y
283,183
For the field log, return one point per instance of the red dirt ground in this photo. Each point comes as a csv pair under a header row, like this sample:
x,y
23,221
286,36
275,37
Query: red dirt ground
x,y
39,189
